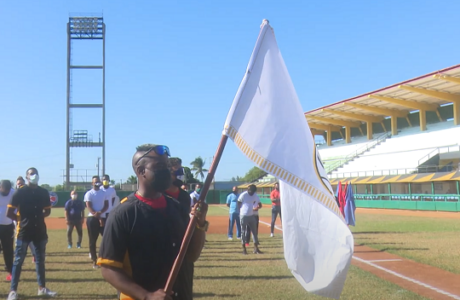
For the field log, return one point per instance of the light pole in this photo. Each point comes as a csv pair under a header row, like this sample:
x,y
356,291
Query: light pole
x,y
98,160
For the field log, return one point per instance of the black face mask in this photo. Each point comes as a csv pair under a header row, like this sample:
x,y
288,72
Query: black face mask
x,y
162,180
178,183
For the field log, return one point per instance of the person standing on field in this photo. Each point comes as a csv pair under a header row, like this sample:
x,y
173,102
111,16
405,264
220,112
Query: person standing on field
x,y
111,195
276,206
75,217
6,226
97,204
32,203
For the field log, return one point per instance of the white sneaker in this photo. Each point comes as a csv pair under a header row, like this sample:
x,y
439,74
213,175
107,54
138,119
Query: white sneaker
x,y
90,255
13,295
272,235
46,292
230,239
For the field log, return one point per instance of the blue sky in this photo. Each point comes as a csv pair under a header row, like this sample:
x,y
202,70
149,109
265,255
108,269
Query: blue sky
x,y
173,68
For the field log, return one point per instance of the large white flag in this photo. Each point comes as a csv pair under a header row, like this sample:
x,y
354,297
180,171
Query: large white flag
x,y
267,123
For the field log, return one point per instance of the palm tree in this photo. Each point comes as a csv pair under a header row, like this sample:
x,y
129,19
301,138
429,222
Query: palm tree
x,y
131,180
198,167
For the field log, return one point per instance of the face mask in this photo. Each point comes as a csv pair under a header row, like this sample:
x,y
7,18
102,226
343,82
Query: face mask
x,y
33,179
161,181
4,194
105,183
198,190
74,197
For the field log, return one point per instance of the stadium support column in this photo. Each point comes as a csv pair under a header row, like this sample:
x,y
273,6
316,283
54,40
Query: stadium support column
x,y
347,134
369,130
422,114
394,125
329,136
456,107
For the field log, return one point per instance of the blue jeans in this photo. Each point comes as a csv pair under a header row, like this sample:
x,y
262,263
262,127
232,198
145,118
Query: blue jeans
x,y
234,217
20,255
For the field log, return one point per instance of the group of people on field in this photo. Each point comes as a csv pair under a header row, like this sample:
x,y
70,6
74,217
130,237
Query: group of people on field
x,y
22,225
244,212
141,234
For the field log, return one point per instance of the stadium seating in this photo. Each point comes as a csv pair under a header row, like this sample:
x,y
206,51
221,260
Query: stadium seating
x,y
399,152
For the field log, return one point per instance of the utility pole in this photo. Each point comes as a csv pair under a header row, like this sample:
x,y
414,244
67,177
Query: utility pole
x,y
98,160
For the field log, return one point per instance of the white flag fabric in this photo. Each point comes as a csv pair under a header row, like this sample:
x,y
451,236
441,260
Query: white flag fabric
x,y
267,123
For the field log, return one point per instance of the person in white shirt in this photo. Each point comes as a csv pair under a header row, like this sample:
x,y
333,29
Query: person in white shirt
x,y
248,203
111,195
6,226
195,195
97,204
256,207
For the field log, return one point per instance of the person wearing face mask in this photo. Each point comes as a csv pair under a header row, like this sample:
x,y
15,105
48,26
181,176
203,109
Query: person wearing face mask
x,y
33,206
195,195
75,217
248,203
144,233
97,203
6,226
20,182
111,195
177,180
176,192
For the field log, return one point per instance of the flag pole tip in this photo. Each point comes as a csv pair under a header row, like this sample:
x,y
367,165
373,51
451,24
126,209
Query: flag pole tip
x,y
264,21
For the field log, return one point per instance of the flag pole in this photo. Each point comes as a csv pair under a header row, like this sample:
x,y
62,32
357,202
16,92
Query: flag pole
x,y
212,170
192,224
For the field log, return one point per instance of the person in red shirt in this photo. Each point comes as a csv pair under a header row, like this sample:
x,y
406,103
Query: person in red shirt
x,y
276,206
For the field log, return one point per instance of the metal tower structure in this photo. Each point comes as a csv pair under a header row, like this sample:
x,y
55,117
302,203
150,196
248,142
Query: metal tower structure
x,y
89,29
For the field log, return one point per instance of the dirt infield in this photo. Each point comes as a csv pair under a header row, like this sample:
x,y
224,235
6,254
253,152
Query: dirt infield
x,y
217,225
424,280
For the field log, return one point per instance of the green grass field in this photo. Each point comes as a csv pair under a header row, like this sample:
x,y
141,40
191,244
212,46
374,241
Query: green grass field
x,y
431,241
223,272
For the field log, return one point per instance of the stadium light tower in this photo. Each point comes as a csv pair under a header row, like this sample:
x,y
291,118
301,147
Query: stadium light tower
x,y
89,29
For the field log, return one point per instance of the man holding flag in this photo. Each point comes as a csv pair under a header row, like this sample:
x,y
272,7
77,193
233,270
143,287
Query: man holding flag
x,y
318,245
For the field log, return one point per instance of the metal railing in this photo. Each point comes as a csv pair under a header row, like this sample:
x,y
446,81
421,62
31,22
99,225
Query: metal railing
x,y
439,150
385,172
340,162
411,197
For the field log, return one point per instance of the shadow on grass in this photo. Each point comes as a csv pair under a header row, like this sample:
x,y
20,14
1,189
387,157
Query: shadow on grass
x,y
66,254
405,249
376,232
241,258
74,296
239,277
66,280
206,295
364,244
215,266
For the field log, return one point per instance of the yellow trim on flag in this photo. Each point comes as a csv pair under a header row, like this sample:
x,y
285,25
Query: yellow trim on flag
x,y
326,199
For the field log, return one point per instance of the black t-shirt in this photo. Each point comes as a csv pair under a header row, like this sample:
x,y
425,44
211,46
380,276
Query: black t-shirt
x,y
144,242
30,203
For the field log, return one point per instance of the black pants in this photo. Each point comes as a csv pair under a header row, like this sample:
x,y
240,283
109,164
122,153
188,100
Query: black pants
x,y
78,227
275,211
247,236
94,229
7,241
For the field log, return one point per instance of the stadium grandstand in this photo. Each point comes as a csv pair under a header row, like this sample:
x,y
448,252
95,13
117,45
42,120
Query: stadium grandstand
x,y
399,145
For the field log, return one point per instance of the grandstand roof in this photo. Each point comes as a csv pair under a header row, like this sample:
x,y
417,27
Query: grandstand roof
x,y
425,93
